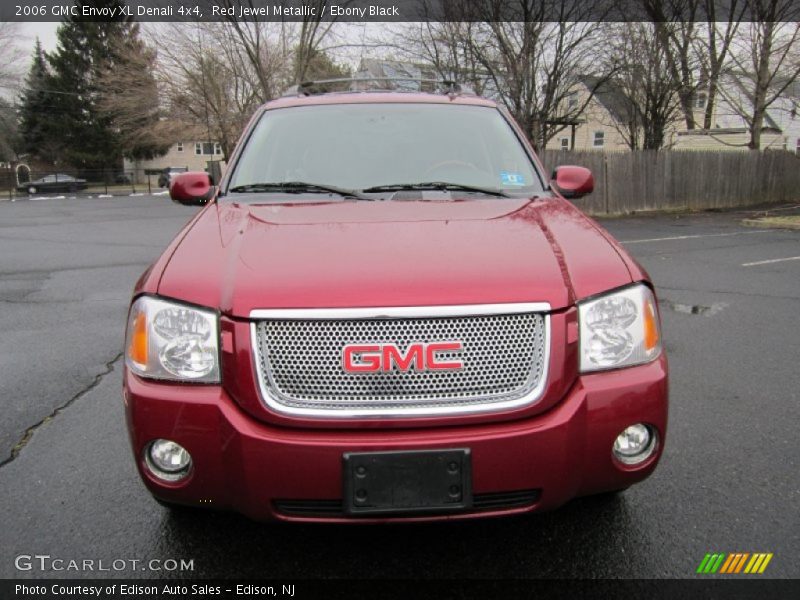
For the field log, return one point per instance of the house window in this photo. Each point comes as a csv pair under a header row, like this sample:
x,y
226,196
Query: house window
x,y
217,148
700,101
564,143
206,148
180,146
599,139
572,102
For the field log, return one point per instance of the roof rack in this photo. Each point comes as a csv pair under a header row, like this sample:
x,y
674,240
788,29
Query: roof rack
x,y
369,84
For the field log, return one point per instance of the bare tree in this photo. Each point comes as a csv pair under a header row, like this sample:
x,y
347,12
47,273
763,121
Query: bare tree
x,y
444,46
214,75
678,40
207,82
10,55
715,48
259,49
269,45
9,85
766,61
129,97
533,65
648,93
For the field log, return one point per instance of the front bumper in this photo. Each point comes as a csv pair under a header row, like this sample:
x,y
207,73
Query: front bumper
x,y
262,470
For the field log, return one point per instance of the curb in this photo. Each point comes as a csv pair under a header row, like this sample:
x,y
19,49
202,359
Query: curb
x,y
769,224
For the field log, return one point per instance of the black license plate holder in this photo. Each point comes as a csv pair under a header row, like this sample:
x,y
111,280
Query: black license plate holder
x,y
408,482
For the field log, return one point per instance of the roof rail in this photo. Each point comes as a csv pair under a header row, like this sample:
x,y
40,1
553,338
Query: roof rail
x,y
368,84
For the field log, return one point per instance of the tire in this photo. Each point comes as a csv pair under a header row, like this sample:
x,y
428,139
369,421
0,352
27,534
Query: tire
x,y
32,189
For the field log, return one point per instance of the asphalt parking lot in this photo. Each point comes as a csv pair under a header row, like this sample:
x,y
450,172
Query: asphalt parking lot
x,y
729,480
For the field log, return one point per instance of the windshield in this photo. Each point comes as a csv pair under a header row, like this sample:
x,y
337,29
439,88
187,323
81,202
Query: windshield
x,y
363,146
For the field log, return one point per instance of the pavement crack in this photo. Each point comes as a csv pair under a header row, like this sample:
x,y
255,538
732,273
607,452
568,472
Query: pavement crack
x,y
26,437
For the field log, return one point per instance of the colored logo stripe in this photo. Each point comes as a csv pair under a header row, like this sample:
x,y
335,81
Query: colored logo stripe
x,y
736,562
710,563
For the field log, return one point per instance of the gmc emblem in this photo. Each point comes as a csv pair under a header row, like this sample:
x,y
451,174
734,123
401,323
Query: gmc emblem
x,y
385,357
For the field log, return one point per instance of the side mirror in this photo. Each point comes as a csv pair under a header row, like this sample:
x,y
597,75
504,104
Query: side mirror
x,y
192,189
573,182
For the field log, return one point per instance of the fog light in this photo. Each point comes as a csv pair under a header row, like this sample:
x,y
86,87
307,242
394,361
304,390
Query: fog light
x,y
635,444
168,460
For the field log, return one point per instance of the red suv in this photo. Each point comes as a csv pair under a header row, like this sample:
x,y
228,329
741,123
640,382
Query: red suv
x,y
387,311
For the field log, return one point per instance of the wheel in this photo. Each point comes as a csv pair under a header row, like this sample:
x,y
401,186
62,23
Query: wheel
x,y
32,189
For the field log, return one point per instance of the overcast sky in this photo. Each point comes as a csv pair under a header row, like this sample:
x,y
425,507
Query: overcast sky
x,y
350,33
45,31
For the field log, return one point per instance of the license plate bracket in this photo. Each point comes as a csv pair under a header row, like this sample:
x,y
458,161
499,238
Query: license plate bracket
x,y
412,481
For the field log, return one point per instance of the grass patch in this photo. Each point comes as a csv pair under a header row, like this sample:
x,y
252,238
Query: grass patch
x,y
783,222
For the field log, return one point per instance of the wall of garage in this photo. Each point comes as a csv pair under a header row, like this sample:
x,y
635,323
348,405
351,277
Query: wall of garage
x,y
649,180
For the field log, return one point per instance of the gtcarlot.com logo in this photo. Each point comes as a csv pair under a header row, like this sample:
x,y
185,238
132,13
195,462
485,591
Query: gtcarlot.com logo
x,y
734,563
46,562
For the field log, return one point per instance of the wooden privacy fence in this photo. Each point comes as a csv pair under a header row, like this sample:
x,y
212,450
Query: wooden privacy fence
x,y
647,180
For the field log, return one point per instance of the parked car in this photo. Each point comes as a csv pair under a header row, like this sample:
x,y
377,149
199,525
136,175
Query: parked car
x,y
57,182
165,178
388,311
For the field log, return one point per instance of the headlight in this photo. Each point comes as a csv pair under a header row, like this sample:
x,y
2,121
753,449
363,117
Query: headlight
x,y
619,330
166,340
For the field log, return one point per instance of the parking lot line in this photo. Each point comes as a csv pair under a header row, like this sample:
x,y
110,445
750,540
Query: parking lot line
x,y
767,262
702,235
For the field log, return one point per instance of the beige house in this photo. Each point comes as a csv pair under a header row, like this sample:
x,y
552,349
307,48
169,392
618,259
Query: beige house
x,y
601,125
598,127
728,138
781,130
194,155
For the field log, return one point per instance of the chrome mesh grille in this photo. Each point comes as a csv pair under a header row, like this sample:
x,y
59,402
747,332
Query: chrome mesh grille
x,y
300,362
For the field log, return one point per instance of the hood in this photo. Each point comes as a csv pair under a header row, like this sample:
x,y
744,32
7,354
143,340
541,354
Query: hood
x,y
240,257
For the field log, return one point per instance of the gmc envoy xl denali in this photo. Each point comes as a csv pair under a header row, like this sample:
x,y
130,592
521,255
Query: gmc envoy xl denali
x,y
387,311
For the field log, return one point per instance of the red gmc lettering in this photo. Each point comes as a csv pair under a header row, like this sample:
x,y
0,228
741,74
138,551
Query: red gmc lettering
x,y
392,354
366,360
433,363
370,358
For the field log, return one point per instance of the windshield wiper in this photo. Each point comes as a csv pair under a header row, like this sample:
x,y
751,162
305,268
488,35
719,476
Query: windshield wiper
x,y
295,187
436,185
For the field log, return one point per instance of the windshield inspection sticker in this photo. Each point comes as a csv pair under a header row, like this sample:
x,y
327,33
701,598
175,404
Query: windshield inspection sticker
x,y
509,178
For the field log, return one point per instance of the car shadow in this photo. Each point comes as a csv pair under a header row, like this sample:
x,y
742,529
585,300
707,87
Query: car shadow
x,y
561,543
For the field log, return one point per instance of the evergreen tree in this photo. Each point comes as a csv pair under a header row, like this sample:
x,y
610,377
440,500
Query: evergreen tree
x,y
38,105
85,49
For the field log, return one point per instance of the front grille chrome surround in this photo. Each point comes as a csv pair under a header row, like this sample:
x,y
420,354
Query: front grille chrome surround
x,y
298,353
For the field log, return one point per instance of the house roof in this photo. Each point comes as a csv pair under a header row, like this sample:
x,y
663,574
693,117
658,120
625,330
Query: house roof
x,y
609,95
736,80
